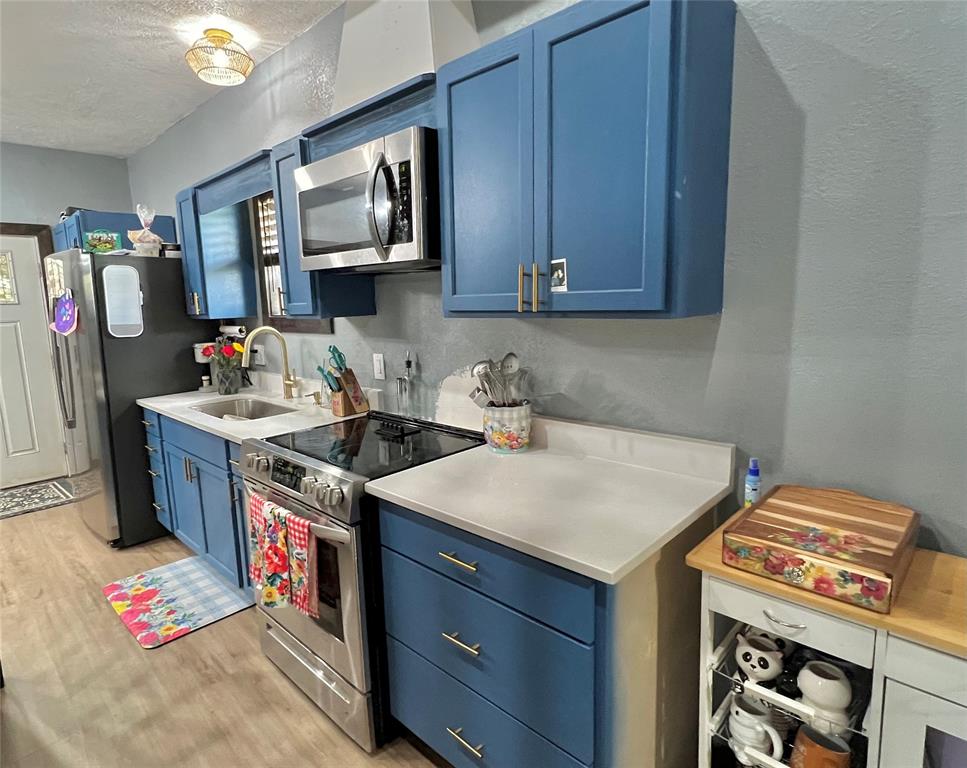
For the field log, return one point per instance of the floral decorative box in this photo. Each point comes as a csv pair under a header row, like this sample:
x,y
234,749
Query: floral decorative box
x,y
835,542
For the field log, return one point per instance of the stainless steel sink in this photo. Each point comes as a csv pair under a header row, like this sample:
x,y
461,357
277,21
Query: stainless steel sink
x,y
243,409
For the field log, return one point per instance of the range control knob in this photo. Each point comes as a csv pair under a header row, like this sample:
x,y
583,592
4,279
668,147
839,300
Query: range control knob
x,y
330,495
307,485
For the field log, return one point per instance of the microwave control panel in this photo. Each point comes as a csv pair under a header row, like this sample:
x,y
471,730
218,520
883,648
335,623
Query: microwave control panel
x,y
403,219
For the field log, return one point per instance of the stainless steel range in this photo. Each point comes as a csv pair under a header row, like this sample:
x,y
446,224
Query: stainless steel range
x,y
320,474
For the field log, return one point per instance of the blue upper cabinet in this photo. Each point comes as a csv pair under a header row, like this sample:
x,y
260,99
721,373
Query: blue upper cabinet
x,y
70,232
309,294
485,114
215,224
629,129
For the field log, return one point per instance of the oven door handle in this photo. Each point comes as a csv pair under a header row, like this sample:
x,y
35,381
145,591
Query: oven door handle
x,y
378,162
330,533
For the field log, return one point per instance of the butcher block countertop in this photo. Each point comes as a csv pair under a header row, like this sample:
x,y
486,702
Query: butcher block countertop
x,y
931,608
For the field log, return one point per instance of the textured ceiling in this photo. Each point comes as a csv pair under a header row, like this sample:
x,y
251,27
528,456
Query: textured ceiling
x,y
109,76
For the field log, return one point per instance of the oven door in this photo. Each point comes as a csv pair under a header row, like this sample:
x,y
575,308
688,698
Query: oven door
x,y
362,209
338,636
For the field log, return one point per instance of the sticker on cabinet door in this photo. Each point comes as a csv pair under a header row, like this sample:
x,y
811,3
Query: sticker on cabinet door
x,y
559,276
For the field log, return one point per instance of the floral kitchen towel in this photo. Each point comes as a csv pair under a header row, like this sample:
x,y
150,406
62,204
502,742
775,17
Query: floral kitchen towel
x,y
269,568
301,558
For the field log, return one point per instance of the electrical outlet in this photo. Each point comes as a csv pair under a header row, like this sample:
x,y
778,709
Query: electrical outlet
x,y
258,354
379,367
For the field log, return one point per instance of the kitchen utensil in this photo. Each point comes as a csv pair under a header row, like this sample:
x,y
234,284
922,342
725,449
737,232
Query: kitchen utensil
x,y
510,364
479,397
331,381
337,359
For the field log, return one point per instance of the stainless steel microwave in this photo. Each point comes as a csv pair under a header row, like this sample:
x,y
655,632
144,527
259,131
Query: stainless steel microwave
x,y
365,209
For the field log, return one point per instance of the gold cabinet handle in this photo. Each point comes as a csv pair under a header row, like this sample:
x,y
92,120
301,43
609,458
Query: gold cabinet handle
x,y
157,507
476,751
148,448
454,637
153,473
520,287
194,299
234,463
536,274
451,557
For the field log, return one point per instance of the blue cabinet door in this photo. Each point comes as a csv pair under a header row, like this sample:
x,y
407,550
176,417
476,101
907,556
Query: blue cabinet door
x,y
191,263
241,525
184,497
218,511
485,119
601,116
299,295
228,261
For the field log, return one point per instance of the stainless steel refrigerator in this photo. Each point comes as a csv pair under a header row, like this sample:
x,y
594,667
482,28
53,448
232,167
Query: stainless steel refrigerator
x,y
132,339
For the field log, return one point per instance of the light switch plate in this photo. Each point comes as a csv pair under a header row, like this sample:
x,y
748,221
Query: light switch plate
x,y
258,354
379,367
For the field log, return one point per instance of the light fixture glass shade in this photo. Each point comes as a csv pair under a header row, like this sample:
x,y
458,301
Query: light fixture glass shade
x,y
217,59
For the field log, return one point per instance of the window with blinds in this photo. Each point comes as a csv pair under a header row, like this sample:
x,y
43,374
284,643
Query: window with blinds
x,y
269,249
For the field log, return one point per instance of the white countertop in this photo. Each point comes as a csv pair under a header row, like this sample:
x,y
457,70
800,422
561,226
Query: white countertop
x,y
595,500
180,408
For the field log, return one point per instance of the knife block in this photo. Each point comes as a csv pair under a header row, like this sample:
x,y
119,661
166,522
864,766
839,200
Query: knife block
x,y
342,405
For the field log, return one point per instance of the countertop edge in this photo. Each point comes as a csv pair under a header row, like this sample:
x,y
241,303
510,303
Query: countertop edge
x,y
610,578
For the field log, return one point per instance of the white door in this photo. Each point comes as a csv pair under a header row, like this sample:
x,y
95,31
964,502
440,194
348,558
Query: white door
x,y
31,433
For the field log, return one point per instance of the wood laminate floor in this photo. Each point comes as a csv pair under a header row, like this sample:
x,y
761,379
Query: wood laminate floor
x,y
81,692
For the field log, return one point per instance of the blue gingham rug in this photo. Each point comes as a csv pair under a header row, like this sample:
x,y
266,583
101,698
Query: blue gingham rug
x,y
170,601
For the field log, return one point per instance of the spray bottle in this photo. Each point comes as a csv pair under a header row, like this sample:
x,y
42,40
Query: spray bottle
x,y
752,486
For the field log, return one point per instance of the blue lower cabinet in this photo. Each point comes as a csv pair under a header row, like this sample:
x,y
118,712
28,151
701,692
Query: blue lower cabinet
x,y
460,725
540,676
238,505
185,499
218,511
159,483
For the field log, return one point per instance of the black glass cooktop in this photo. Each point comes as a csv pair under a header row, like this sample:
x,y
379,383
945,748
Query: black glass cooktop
x,y
378,444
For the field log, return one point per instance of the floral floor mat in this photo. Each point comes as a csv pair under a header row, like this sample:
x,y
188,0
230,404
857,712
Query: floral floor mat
x,y
170,601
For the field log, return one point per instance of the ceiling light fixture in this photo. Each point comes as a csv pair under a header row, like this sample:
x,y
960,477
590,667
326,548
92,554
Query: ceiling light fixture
x,y
217,59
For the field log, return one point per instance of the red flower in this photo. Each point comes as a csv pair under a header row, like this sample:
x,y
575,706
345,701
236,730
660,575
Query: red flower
x,y
775,564
276,560
149,638
139,626
131,614
825,585
144,597
111,588
208,350
873,589
729,557
793,562
228,350
120,597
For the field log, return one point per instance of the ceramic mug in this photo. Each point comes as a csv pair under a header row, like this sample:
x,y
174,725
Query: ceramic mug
x,y
827,690
819,750
750,727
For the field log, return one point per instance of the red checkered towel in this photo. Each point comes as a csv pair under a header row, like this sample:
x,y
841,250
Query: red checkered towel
x,y
302,556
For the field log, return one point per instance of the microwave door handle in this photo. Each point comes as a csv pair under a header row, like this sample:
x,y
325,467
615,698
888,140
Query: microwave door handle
x,y
330,533
378,162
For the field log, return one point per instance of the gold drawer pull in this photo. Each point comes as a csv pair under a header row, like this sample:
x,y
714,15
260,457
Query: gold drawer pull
x,y
451,557
476,751
520,287
454,637
153,473
157,507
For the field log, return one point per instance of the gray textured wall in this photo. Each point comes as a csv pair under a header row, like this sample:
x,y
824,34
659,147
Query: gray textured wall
x,y
36,183
841,355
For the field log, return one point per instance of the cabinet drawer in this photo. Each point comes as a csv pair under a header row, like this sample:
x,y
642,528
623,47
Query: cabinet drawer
x,y
821,631
940,673
152,445
543,678
152,422
205,446
557,597
428,702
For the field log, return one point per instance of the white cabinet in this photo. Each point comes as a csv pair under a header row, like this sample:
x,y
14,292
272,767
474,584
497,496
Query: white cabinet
x,y
920,729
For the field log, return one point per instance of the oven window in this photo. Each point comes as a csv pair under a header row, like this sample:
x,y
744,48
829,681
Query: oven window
x,y
330,596
334,217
